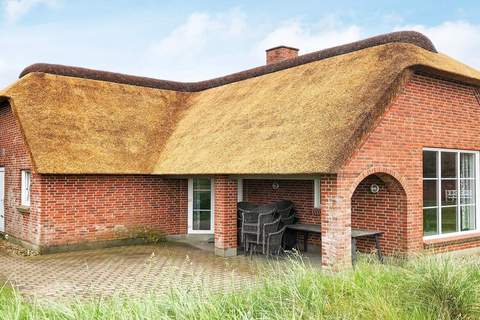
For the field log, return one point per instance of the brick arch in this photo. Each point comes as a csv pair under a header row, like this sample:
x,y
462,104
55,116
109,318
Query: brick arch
x,y
378,171
384,211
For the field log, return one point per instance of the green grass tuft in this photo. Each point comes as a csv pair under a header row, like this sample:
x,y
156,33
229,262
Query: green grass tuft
x,y
424,288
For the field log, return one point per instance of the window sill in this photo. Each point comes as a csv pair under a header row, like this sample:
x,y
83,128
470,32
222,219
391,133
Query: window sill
x,y
453,237
23,209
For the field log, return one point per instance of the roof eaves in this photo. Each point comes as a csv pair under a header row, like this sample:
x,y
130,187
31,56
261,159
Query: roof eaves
x,y
9,101
443,74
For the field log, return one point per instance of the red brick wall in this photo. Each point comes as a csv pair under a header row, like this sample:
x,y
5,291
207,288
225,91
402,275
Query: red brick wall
x,y
428,112
335,222
101,207
225,212
298,191
14,157
384,211
455,243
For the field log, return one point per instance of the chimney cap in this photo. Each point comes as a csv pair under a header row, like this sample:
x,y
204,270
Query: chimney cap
x,y
282,47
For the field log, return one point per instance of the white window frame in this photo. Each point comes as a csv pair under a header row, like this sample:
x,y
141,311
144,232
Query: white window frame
x,y
317,194
439,194
26,188
239,190
190,208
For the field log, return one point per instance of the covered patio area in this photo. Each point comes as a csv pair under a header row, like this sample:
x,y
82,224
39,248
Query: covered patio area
x,y
328,223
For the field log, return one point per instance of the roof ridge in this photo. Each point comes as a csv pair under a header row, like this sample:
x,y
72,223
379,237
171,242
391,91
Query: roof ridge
x,y
411,37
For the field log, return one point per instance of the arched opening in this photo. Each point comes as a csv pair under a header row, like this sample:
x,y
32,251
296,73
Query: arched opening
x,y
380,203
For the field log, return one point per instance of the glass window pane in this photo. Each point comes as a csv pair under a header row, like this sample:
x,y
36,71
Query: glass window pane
x,y
449,164
467,165
449,219
467,216
430,226
429,164
201,220
467,191
430,193
201,200
449,192
201,183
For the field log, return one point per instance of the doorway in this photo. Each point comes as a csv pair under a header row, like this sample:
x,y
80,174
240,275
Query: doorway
x,y
200,206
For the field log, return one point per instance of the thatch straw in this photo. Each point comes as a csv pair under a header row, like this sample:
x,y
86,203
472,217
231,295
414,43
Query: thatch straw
x,y
297,121
300,120
84,126
411,37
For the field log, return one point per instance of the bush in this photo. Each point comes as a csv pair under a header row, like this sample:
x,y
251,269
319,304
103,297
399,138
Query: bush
x,y
446,287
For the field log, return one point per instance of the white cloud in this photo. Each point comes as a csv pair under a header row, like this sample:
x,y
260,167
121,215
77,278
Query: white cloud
x,y
309,38
458,39
224,42
14,9
192,37
204,45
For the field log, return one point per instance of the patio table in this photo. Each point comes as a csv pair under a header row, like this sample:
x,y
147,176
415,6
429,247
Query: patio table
x,y
359,233
306,229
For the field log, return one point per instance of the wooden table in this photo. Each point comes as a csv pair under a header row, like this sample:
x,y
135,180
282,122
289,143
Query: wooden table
x,y
356,233
306,229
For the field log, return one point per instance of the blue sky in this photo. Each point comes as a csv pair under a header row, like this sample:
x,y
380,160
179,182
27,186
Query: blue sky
x,y
195,40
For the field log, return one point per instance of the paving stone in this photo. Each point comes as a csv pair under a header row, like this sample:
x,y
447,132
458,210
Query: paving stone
x,y
132,270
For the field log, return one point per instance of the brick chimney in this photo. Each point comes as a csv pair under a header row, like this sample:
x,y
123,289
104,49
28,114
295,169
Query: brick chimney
x,y
281,53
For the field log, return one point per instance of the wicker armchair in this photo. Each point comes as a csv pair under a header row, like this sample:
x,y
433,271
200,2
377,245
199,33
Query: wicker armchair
x,y
249,225
261,238
284,207
242,207
269,228
252,230
245,205
274,243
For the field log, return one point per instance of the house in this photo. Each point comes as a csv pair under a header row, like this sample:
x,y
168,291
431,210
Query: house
x,y
379,134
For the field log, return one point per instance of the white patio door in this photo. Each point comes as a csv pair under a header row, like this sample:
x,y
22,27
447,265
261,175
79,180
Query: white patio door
x,y
200,205
2,199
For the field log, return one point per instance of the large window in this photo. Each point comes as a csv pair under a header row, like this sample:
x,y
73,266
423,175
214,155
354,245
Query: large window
x,y
449,191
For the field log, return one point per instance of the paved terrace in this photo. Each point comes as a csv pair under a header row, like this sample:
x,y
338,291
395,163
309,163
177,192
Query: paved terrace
x,y
129,270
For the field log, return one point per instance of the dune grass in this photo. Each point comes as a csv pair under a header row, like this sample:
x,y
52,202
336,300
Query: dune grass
x,y
424,288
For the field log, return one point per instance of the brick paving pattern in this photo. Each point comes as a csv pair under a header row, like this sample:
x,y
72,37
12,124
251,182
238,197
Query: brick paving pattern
x,y
129,270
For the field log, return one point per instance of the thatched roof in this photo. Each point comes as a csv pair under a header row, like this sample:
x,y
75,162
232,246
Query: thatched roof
x,y
302,118
411,37
84,126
